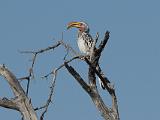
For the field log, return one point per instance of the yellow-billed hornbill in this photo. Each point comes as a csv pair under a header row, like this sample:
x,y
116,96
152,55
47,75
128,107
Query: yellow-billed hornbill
x,y
84,40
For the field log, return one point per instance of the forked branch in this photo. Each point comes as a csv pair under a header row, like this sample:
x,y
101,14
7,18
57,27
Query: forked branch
x,y
21,101
91,89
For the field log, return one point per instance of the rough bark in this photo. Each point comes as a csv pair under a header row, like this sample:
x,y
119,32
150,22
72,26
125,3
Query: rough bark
x,y
20,102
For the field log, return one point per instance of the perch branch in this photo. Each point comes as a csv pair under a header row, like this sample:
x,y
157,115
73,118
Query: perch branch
x,y
104,79
94,68
109,88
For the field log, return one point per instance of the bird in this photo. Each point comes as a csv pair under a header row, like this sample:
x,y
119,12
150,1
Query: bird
x,y
85,40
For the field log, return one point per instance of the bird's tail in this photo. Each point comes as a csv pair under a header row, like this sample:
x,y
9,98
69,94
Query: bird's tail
x,y
101,83
99,80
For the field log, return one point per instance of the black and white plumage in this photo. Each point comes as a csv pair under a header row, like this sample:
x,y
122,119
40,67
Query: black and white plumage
x,y
84,40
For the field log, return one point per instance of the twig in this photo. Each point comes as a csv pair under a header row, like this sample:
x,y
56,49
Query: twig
x,y
35,53
97,36
68,48
50,96
62,65
103,43
54,73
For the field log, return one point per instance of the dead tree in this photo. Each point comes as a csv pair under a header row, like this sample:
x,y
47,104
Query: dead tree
x,y
22,103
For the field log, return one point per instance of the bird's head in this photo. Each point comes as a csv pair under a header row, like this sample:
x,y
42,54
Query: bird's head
x,y
82,26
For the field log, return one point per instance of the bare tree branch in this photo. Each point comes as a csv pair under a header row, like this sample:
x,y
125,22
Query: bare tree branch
x,y
54,73
93,93
62,65
77,77
108,86
102,77
35,53
23,104
94,68
103,43
68,48
50,95
4,102
21,101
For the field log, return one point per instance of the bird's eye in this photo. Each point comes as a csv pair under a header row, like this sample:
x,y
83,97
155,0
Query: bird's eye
x,y
81,24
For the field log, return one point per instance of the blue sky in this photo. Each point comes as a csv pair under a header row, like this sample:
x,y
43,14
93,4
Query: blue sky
x,y
130,60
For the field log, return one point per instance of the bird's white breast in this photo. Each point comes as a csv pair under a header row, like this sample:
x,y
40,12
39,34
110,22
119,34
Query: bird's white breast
x,y
81,45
